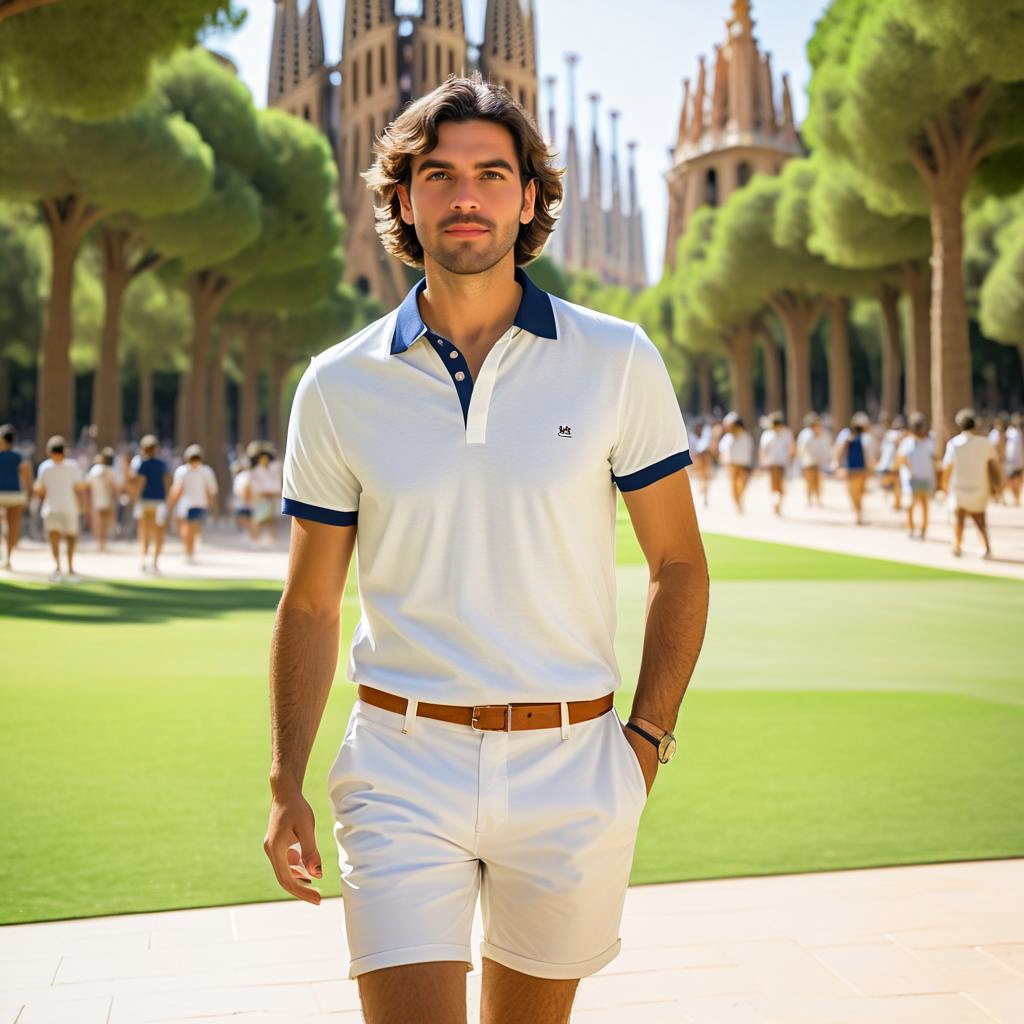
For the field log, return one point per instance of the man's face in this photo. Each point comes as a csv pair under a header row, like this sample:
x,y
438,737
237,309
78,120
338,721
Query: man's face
x,y
465,197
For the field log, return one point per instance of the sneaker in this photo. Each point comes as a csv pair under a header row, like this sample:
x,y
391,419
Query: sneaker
x,y
73,577
55,576
144,566
154,570
986,555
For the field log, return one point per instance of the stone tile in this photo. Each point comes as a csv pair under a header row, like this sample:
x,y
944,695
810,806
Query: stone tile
x,y
602,990
26,972
55,941
665,958
966,968
1005,1005
911,1009
47,1008
1009,953
334,996
289,917
784,966
642,1013
9,1010
882,969
148,1008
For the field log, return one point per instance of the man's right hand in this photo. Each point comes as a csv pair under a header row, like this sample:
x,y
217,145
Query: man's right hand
x,y
290,844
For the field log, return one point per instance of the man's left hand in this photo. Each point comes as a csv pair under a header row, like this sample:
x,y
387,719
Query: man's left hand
x,y
646,753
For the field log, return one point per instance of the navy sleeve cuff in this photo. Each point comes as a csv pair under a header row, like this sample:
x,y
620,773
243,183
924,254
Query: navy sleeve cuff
x,y
332,517
648,475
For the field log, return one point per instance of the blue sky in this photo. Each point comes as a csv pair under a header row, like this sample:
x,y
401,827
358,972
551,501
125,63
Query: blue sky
x,y
634,52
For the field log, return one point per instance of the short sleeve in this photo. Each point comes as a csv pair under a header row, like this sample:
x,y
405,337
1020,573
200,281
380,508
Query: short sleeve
x,y
317,482
947,458
651,440
180,472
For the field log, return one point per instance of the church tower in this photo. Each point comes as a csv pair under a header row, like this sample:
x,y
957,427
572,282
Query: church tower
x,y
508,55
299,80
720,144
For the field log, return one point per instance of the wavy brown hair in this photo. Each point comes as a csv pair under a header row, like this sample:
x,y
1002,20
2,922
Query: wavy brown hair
x,y
414,132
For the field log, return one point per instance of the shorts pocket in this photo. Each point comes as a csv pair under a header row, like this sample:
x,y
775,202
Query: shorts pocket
x,y
640,783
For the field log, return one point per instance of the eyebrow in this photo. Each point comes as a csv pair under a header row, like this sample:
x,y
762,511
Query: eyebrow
x,y
444,165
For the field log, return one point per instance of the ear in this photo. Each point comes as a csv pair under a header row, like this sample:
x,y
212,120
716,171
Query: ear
x,y
529,200
402,191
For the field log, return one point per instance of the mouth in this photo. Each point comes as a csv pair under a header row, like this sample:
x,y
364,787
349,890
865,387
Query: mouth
x,y
466,231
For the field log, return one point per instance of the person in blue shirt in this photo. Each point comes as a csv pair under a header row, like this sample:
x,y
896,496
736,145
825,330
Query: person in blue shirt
x,y
152,480
15,486
853,455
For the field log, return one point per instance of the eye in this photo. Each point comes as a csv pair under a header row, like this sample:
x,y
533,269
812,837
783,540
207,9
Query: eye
x,y
499,176
432,173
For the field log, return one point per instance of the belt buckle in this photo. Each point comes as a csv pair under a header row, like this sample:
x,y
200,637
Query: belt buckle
x,y
506,727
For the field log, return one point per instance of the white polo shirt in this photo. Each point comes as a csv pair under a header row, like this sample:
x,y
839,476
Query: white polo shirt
x,y
485,547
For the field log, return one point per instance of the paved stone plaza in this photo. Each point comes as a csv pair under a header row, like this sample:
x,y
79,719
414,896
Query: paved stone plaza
x,y
928,944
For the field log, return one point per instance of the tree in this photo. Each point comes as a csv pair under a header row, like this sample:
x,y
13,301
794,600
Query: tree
x,y
20,309
90,59
271,211
890,249
922,99
145,161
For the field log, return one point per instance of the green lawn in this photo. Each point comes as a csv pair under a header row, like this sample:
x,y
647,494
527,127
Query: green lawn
x,y
845,712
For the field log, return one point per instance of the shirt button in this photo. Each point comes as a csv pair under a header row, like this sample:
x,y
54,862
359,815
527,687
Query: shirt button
x,y
453,354
460,375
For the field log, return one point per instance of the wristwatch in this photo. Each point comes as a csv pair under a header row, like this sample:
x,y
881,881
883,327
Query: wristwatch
x,y
665,742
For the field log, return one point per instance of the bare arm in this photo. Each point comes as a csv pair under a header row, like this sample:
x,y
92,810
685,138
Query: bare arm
x,y
665,523
303,659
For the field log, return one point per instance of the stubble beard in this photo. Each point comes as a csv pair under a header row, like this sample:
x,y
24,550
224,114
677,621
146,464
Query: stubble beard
x,y
469,256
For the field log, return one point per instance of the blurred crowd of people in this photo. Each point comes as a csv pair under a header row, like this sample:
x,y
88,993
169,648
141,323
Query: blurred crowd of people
x,y
983,462
132,494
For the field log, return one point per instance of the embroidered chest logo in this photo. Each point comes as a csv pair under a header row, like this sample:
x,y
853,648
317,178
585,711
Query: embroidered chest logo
x,y
565,431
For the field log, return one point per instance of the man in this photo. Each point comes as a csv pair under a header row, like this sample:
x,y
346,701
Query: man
x,y
970,468
59,483
477,435
15,485
195,484
151,480
813,447
915,460
775,448
736,450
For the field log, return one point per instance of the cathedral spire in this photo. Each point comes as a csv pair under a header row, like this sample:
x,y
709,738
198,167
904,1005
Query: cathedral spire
x,y
285,66
312,39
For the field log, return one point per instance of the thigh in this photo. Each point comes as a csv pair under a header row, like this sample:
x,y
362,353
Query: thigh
x,y
555,872
413,992
511,997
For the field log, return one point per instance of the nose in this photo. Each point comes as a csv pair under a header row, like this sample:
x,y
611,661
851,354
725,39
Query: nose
x,y
465,200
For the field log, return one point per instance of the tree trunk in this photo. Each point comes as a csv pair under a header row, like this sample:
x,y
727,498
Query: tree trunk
x,y
773,372
798,314
5,389
68,220
840,375
279,363
702,374
182,428
951,353
739,349
145,396
249,395
946,157
207,292
889,299
106,391
215,454
918,393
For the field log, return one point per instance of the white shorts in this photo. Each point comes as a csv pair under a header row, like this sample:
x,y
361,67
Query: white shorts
x,y
157,504
540,827
12,499
62,521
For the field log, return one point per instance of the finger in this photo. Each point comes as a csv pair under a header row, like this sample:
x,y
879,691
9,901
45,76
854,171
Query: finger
x,y
278,861
309,854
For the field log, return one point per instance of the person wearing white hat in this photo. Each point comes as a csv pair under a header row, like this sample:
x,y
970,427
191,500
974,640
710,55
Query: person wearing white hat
x,y
971,473
151,480
60,483
195,484
736,452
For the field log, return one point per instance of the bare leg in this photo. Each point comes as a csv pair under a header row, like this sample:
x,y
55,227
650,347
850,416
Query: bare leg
x,y
13,528
55,548
158,543
145,521
979,522
70,538
509,997
923,501
434,992
958,529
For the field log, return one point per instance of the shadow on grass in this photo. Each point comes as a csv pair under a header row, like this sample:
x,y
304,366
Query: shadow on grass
x,y
124,602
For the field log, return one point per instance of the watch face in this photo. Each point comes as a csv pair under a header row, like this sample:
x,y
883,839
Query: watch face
x,y
666,748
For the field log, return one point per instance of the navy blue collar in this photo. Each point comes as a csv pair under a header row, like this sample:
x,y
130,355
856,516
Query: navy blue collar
x,y
534,313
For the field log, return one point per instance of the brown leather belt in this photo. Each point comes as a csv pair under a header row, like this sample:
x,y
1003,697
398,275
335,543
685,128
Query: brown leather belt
x,y
493,717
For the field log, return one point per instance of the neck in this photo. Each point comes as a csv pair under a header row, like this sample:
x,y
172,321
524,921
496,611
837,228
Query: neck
x,y
470,309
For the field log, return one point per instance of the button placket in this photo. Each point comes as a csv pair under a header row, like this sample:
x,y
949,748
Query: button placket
x,y
459,371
